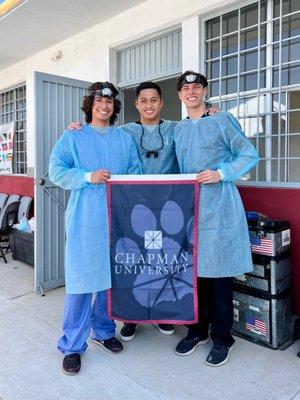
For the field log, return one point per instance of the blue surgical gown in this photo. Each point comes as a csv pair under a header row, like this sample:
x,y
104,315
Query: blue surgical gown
x,y
166,162
217,142
87,260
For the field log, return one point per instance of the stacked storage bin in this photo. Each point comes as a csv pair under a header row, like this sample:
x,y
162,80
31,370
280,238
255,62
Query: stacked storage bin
x,y
262,299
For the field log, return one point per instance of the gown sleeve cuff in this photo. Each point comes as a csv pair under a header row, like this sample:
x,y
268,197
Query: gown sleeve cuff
x,y
88,177
221,174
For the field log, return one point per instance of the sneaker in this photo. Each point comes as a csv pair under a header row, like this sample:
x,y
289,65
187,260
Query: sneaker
x,y
189,344
166,329
127,332
218,355
112,345
71,364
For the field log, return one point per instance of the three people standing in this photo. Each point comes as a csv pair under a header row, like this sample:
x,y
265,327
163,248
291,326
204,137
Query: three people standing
x,y
213,147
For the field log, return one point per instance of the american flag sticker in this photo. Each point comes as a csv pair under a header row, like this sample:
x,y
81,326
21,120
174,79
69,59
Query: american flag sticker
x,y
261,245
257,326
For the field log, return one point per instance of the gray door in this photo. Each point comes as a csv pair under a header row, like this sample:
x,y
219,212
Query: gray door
x,y
57,103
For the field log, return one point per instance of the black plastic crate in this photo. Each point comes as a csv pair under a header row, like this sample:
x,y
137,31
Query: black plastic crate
x,y
271,275
269,237
262,318
22,246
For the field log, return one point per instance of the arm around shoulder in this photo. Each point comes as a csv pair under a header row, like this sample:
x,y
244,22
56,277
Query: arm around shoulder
x,y
244,154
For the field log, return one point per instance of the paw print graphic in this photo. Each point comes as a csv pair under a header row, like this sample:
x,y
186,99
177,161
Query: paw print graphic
x,y
163,264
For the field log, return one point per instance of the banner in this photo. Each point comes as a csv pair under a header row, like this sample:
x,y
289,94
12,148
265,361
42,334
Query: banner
x,y
153,244
6,147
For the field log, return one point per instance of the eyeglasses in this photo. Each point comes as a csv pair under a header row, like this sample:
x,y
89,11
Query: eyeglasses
x,y
149,153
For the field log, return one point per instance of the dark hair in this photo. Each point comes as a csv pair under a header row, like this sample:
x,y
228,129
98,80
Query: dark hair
x,y
88,101
147,85
200,79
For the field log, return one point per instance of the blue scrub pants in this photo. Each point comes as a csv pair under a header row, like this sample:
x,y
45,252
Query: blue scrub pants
x,y
80,317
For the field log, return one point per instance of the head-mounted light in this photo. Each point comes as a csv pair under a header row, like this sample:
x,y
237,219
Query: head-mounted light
x,y
105,92
191,78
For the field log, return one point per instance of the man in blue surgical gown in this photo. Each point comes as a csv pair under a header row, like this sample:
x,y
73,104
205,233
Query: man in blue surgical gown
x,y
82,163
216,149
154,139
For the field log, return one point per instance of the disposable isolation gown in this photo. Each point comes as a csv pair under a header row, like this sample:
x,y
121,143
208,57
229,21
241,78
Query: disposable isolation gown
x,y
87,260
166,162
217,142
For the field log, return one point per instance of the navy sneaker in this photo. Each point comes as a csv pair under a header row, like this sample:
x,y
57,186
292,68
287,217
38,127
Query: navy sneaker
x,y
218,355
166,329
71,364
112,345
189,344
127,332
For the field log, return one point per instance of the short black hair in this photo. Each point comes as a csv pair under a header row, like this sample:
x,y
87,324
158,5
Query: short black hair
x,y
181,79
147,85
88,101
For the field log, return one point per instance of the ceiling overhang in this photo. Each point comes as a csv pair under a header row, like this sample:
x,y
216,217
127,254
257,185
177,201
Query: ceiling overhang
x,y
30,26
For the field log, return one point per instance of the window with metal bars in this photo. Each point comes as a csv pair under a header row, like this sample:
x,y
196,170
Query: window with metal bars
x,y
252,58
13,108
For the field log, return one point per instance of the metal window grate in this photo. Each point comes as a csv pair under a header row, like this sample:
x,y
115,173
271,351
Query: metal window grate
x,y
252,59
13,108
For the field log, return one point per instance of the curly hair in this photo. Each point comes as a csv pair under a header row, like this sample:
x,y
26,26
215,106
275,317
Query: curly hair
x,y
88,101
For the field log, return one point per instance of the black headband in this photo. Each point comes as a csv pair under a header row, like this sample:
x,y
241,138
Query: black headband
x,y
194,78
104,92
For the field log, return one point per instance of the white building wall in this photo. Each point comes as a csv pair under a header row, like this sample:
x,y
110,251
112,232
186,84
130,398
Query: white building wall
x,y
87,55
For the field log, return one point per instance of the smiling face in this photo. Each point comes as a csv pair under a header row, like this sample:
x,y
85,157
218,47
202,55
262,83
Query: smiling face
x,y
149,105
102,110
193,95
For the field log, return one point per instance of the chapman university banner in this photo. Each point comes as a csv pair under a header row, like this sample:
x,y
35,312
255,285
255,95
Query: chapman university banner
x,y
153,233
6,147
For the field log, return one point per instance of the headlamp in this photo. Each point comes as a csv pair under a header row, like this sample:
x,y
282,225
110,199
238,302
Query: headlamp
x,y
105,92
194,78
191,78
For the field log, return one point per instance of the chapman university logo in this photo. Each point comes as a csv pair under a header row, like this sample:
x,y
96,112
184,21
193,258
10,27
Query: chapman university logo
x,y
156,254
153,240
153,262
162,254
